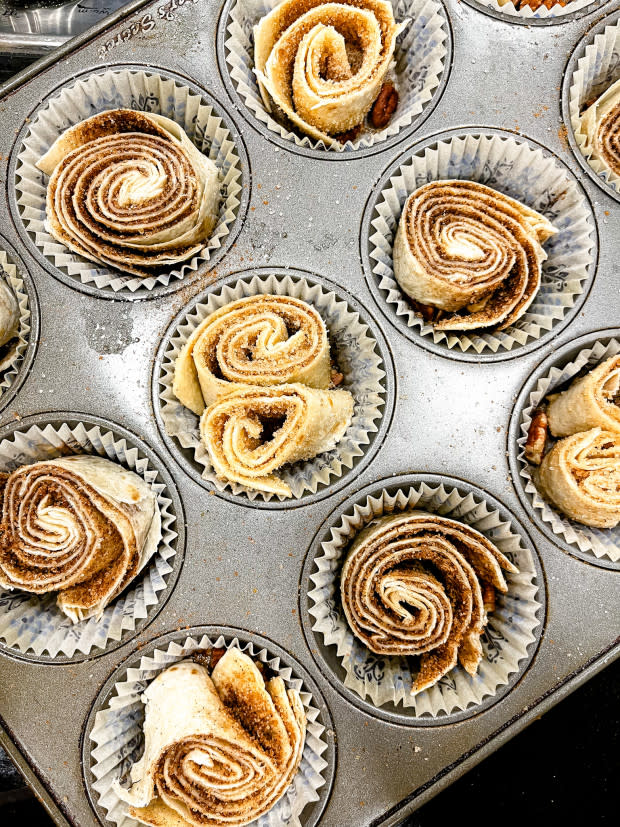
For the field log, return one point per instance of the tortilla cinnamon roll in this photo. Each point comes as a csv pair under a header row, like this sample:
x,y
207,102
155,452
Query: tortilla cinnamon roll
x,y
600,123
219,749
581,476
252,432
130,190
471,252
81,526
412,584
258,340
592,401
323,63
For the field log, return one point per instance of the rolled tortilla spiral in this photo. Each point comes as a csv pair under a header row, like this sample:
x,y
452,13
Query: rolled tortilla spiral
x,y
219,749
81,526
253,431
600,124
323,63
469,250
581,476
590,402
411,585
259,340
130,190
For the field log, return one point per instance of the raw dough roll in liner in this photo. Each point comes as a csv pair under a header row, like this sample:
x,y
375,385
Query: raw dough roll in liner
x,y
258,340
581,476
589,402
469,250
411,585
323,64
219,749
130,190
297,423
82,526
600,124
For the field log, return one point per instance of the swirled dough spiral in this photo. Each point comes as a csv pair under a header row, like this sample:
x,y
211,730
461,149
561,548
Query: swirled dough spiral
x,y
600,123
81,526
253,431
471,251
259,340
411,585
323,63
219,750
592,401
581,476
130,190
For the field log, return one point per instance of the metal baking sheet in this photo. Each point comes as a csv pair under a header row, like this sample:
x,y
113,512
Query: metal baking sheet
x,y
95,356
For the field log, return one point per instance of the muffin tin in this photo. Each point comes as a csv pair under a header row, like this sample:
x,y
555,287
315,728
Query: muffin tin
x,y
445,420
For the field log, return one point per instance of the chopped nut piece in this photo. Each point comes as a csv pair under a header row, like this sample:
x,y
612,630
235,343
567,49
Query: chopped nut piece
x,y
337,379
349,135
488,597
384,106
537,438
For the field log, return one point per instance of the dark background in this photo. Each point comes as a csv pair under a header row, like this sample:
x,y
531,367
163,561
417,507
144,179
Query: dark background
x,y
562,768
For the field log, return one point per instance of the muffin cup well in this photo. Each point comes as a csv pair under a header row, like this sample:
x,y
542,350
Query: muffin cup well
x,y
16,349
145,90
354,348
32,626
594,72
421,58
597,545
114,739
519,169
386,681
509,9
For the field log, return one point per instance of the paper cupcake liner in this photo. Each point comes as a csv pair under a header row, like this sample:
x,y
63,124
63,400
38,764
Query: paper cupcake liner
x,y
510,9
419,63
34,623
505,642
353,348
516,169
16,348
117,734
130,89
600,542
596,71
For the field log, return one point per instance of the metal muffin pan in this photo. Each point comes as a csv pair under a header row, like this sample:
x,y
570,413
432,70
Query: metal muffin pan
x,y
243,565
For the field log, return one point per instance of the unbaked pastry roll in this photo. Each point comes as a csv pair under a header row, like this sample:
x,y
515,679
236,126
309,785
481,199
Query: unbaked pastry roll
x,y
600,123
252,432
469,250
259,340
581,476
323,64
81,526
412,584
591,401
219,750
130,190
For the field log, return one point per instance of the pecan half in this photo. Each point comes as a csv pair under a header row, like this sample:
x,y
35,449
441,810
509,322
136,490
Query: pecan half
x,y
384,106
537,438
